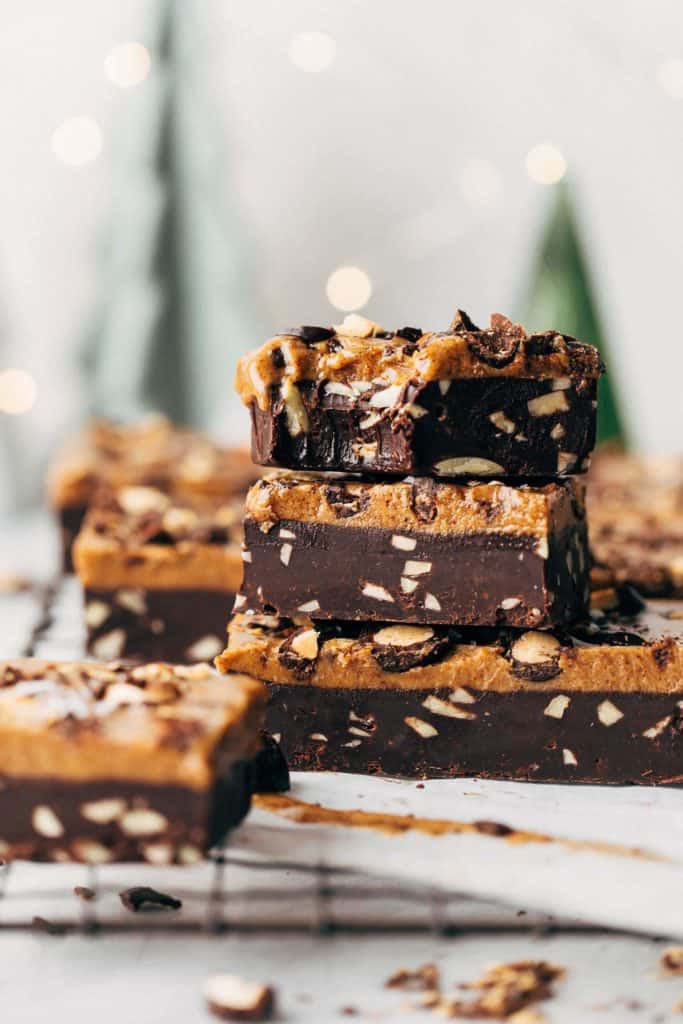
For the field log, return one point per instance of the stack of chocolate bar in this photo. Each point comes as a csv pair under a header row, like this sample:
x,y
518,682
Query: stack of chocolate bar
x,y
151,517
418,602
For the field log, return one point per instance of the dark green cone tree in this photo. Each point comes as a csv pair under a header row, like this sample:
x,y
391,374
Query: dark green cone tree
x,y
174,308
560,296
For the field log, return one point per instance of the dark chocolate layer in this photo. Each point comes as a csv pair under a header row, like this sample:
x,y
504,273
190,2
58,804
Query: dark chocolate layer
x,y
157,625
469,419
344,572
70,520
599,736
49,819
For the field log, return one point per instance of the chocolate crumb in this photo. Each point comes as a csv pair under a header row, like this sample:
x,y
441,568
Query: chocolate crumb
x,y
348,1011
49,927
142,897
492,828
84,893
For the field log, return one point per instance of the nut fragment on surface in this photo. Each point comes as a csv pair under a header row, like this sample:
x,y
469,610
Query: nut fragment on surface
x,y
425,978
233,998
286,553
309,606
403,636
432,603
467,464
377,592
142,821
569,757
671,961
416,568
503,422
422,728
403,543
132,600
295,411
138,501
205,649
506,990
658,728
305,644
96,614
609,713
46,823
508,603
408,585
90,852
109,646
102,812
535,655
548,404
447,708
557,706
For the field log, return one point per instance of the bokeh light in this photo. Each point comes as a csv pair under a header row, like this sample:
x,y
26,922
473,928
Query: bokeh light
x,y
312,51
545,164
17,392
127,65
77,141
348,288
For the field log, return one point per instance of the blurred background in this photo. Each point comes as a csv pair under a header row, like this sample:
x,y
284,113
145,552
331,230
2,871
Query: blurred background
x,y
180,180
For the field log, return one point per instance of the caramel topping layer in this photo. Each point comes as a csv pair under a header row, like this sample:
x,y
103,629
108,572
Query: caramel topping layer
x,y
414,504
157,723
640,652
138,536
360,351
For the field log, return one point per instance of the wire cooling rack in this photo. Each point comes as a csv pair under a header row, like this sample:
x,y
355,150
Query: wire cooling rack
x,y
227,892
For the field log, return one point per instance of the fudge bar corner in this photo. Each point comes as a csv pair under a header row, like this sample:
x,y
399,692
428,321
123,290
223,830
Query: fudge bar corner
x,y
474,401
599,701
102,763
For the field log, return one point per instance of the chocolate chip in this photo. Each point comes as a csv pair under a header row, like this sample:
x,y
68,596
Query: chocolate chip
x,y
498,346
409,333
401,658
492,828
277,358
423,499
310,335
343,503
544,343
271,774
384,335
84,893
141,897
49,927
630,601
461,323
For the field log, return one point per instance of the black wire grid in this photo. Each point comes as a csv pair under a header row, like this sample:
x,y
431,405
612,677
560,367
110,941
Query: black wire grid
x,y
228,892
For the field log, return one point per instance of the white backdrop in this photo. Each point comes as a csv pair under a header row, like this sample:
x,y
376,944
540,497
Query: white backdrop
x,y
377,161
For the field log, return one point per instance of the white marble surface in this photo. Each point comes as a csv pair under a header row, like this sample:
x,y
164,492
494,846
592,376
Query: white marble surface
x,y
158,978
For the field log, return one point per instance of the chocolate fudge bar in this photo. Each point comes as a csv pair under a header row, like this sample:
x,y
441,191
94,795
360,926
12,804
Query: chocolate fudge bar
x,y
462,402
416,550
159,574
600,701
152,451
101,763
636,520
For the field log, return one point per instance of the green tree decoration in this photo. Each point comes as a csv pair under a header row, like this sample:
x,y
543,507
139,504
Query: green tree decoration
x,y
560,295
174,307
